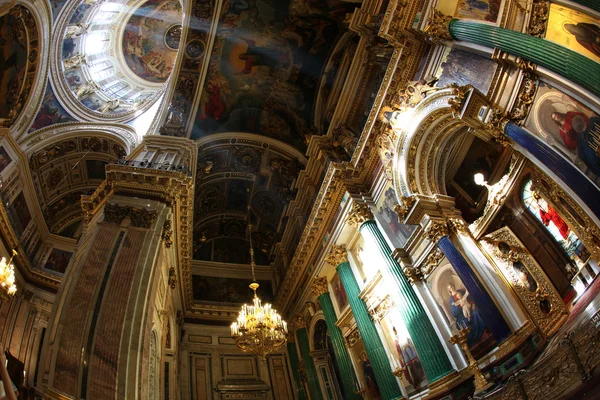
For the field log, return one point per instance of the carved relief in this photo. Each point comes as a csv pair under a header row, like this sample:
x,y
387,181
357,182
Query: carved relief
x,y
115,214
167,233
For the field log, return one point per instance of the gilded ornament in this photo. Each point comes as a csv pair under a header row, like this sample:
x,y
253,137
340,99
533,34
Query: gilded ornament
x,y
413,275
438,27
337,255
381,307
436,230
141,218
352,338
460,93
167,233
404,206
319,286
495,125
298,322
172,281
432,261
540,11
359,214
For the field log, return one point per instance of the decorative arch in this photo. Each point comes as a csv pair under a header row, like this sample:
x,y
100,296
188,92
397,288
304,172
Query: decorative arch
x,y
317,320
26,96
427,134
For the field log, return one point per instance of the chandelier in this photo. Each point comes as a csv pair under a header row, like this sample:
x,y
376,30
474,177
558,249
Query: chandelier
x,y
259,329
7,277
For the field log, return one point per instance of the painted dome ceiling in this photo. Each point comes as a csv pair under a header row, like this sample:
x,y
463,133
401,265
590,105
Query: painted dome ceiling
x,y
151,39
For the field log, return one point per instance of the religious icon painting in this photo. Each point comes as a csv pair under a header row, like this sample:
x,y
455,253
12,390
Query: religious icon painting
x,y
339,293
460,309
569,127
575,30
366,375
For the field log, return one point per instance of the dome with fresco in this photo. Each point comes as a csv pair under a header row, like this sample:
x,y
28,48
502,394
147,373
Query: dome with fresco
x,y
118,56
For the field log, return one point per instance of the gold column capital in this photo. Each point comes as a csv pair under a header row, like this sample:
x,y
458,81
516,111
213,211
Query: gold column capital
x,y
337,255
359,214
405,205
319,285
413,274
298,322
438,26
436,230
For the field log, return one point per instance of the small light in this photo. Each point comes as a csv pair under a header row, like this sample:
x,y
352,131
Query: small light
x,y
479,179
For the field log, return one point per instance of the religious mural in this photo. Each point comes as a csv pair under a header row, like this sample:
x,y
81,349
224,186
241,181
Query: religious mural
x,y
13,62
151,39
404,353
460,309
339,292
480,10
58,260
574,30
19,214
57,6
5,159
463,68
366,375
265,66
229,290
568,126
385,213
51,112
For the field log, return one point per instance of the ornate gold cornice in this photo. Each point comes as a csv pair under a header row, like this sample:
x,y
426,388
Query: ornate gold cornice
x,y
413,275
359,214
337,255
432,261
458,225
438,27
140,217
404,206
436,230
379,309
319,285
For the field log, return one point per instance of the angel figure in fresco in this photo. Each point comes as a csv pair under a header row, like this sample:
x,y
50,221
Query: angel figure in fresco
x,y
369,376
549,214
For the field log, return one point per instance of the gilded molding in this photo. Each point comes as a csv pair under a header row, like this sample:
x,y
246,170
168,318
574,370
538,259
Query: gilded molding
x,y
540,10
496,124
319,286
337,255
413,275
460,94
167,233
359,214
405,205
527,90
140,217
438,26
432,261
379,308
352,338
298,322
436,230
172,281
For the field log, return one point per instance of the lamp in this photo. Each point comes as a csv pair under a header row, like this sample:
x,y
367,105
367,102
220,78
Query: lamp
x,y
480,179
259,329
7,277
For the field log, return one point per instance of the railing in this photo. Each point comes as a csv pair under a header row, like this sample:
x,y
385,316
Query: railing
x,y
156,165
569,362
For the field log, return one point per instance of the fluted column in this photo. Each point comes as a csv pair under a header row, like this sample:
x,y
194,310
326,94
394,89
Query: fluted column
x,y
566,171
348,376
388,385
309,365
431,352
294,363
562,60
437,232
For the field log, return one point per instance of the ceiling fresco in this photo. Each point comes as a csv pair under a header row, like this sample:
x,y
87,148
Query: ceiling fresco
x,y
151,39
265,66
242,175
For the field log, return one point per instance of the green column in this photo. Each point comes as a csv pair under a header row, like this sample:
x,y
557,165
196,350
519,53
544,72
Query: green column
x,y
293,356
545,53
342,357
309,365
388,385
431,352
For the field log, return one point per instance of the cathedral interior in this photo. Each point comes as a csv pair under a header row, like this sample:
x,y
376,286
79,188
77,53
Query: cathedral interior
x,y
413,186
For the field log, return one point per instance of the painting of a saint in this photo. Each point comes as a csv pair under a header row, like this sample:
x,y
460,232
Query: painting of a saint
x,y
339,292
369,376
481,10
5,159
459,308
58,261
51,112
398,232
575,30
568,126
410,364
13,60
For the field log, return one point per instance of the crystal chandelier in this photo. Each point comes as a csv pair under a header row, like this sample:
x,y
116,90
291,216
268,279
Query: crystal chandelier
x,y
7,277
259,328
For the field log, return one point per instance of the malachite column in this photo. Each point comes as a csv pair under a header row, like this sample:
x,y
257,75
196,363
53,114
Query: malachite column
x,y
348,376
427,343
388,385
294,363
309,365
547,54
566,171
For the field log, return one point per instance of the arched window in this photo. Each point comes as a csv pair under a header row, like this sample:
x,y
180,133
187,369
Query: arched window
x,y
555,225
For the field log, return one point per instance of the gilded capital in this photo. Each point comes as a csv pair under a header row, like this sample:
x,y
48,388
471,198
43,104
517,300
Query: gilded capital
x,y
413,274
436,230
359,214
337,255
404,206
438,26
458,225
495,125
298,322
319,285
